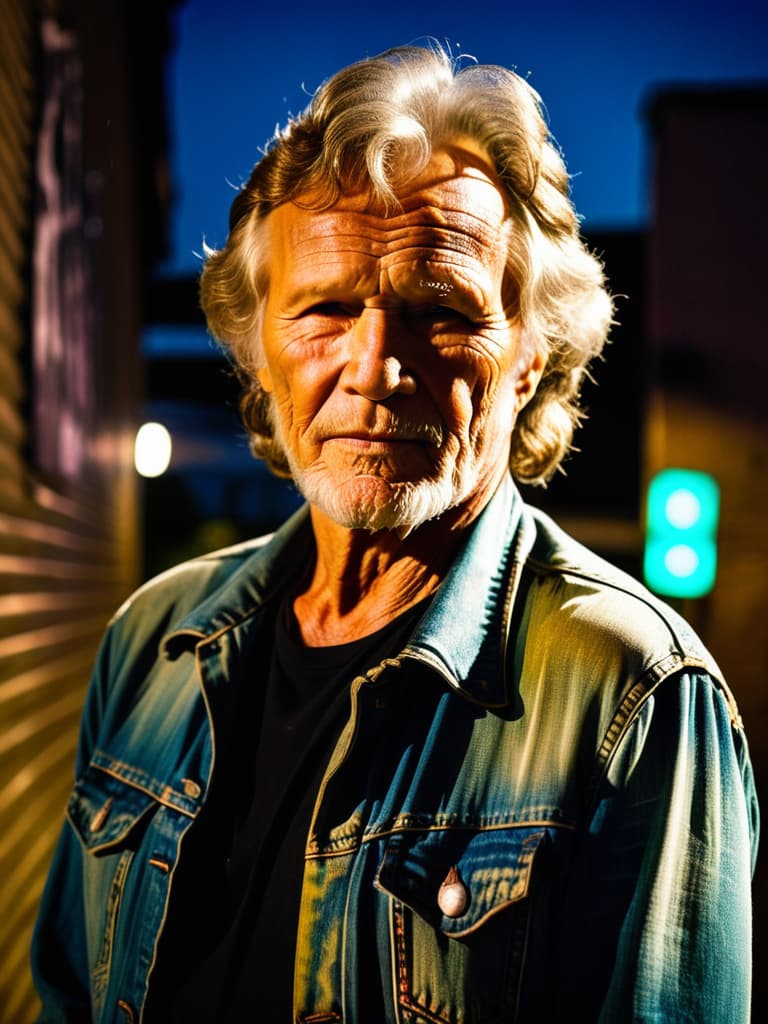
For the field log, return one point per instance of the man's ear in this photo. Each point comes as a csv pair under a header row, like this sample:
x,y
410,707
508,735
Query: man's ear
x,y
264,377
528,380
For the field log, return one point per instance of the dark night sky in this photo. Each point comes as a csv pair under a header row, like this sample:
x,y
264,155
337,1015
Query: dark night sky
x,y
242,67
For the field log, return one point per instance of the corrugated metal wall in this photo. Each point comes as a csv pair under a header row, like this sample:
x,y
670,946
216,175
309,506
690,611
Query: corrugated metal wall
x,y
68,547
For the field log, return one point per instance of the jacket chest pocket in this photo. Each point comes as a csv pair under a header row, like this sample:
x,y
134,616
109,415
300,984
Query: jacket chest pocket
x,y
460,910
110,817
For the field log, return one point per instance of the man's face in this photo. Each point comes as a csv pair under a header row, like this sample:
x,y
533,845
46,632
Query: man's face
x,y
391,351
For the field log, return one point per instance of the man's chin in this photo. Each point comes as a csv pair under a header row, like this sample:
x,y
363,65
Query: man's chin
x,y
400,508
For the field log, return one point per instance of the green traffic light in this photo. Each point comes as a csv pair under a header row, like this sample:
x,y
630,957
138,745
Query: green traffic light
x,y
681,533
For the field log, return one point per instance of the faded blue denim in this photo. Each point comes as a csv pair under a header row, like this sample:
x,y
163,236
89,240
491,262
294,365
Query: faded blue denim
x,y
551,732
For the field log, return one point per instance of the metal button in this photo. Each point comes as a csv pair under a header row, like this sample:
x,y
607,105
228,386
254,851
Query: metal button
x,y
99,819
452,896
191,788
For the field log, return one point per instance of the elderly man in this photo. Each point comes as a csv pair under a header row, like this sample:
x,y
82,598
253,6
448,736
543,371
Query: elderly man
x,y
417,757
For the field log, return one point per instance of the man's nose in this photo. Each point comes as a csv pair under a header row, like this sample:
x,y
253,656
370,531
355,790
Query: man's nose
x,y
374,367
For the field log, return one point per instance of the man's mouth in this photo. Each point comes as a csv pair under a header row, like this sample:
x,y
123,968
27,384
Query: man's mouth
x,y
424,434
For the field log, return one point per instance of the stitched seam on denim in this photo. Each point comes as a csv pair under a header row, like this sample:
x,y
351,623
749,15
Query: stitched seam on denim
x,y
164,916
530,814
404,994
138,779
624,716
103,964
314,852
403,989
690,661
181,837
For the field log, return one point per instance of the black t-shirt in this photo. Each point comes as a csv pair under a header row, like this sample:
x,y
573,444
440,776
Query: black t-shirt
x,y
228,946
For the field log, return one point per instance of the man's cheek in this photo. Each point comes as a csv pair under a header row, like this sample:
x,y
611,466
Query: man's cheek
x,y
284,412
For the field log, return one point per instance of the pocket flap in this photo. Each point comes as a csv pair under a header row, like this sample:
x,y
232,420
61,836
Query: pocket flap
x,y
103,809
487,870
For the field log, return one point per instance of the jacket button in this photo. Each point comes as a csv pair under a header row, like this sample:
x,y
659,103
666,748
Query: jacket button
x,y
99,819
452,897
191,788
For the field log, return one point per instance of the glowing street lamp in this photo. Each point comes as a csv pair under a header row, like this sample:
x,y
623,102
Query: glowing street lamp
x,y
152,449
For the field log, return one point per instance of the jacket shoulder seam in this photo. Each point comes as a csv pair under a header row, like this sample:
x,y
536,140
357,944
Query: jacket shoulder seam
x,y
616,585
635,698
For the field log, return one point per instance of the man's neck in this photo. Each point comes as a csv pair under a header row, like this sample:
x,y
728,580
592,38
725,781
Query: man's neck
x,y
362,580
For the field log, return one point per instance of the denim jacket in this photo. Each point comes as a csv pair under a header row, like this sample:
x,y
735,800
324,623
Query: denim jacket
x,y
540,809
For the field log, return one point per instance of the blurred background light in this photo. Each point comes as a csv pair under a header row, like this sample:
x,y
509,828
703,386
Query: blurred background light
x,y
152,449
681,533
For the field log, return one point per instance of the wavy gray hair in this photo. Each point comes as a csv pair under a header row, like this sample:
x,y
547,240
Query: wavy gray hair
x,y
375,124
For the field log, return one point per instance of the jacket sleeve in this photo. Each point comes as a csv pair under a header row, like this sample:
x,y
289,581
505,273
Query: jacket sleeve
x,y
59,955
680,822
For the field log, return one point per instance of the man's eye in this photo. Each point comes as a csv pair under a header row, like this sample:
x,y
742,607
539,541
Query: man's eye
x,y
441,314
330,309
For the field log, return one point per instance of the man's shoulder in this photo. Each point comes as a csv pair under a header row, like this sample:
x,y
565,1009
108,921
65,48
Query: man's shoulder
x,y
592,604
176,591
220,587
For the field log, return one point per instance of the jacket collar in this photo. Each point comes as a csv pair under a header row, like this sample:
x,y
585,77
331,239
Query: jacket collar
x,y
463,634
464,631
263,574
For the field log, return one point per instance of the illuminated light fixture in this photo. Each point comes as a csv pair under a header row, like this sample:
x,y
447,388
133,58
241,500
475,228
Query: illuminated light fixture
x,y
682,511
152,449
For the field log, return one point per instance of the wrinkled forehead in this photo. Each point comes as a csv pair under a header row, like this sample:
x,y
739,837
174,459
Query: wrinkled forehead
x,y
453,212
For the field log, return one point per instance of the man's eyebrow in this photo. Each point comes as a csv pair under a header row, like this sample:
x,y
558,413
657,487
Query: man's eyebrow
x,y
322,287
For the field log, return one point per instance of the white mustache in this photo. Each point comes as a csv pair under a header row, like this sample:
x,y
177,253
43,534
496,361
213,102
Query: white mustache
x,y
387,426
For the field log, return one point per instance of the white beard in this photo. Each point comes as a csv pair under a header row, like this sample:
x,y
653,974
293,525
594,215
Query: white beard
x,y
369,501
409,505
